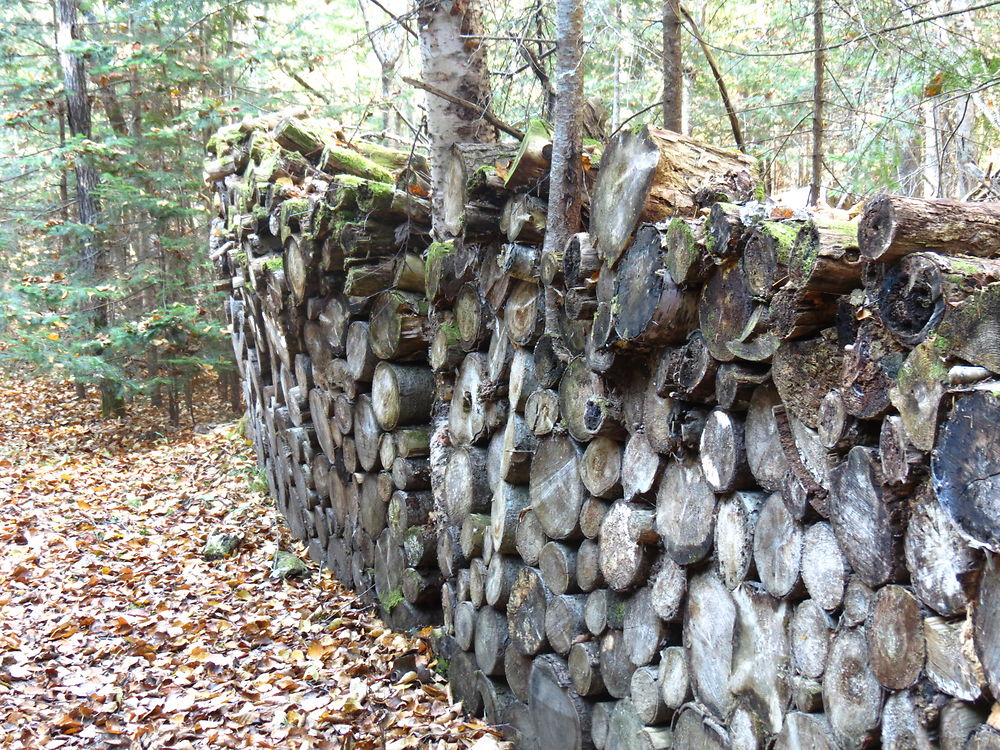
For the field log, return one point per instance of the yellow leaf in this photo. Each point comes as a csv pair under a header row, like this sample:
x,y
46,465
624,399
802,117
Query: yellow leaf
x,y
54,336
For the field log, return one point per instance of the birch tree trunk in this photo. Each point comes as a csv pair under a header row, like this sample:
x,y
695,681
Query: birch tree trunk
x,y
454,61
566,182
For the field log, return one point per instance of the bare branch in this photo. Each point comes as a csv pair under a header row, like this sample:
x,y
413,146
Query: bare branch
x,y
484,112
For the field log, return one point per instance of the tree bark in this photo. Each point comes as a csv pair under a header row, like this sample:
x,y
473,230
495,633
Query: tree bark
x,y
454,61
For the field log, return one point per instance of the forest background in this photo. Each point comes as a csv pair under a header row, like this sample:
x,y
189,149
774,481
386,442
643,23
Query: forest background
x,y
114,290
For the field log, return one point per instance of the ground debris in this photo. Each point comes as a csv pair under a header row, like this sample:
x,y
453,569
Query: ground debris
x,y
116,632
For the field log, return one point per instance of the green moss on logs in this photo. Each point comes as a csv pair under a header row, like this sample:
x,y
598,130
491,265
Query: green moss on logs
x,y
274,263
783,236
241,259
223,140
339,160
391,599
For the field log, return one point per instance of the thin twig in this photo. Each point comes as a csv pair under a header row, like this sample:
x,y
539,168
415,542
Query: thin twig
x,y
484,112
395,18
734,122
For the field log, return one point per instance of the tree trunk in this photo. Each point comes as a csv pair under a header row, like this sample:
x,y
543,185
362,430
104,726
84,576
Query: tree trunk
x,y
566,185
455,62
673,68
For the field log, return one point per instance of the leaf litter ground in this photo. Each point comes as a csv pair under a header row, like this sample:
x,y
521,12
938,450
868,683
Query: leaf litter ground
x,y
115,633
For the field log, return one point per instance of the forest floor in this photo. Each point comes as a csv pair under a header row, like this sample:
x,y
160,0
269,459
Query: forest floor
x,y
115,632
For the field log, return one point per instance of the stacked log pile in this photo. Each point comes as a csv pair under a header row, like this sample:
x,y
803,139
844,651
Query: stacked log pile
x,y
715,474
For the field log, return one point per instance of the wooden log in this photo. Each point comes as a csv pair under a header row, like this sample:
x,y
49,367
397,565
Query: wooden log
x,y
952,665
709,629
626,532
725,311
581,262
686,260
969,331
473,317
521,383
470,538
524,313
588,566
616,667
529,537
866,516
723,453
765,455
809,633
517,670
685,512
852,696
361,360
600,604
462,671
466,488
824,567
958,721
777,548
366,433
644,631
693,370
668,584
766,255
914,294
557,563
301,259
640,467
526,609
600,471
419,545
761,658
984,631
584,663
471,417
541,411
509,503
965,466
802,730
918,394
419,587
837,430
805,371
675,687
654,173
523,218
562,717
896,638
398,327
726,231
904,721
401,395
893,226
556,491
858,598
870,367
585,404
825,256
734,536
645,695
650,308
491,641
694,729
564,623
940,562
445,352
500,575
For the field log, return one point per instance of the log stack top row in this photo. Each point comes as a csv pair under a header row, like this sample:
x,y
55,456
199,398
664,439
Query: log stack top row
x,y
714,474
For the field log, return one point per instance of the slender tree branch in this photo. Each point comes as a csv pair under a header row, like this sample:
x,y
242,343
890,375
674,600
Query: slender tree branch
x,y
734,122
405,26
484,112
859,38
